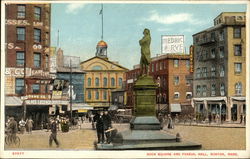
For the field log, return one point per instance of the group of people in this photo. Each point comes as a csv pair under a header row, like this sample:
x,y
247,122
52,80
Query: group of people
x,y
166,120
103,125
22,125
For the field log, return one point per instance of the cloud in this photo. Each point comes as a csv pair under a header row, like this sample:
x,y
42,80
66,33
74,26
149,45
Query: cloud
x,y
173,18
73,8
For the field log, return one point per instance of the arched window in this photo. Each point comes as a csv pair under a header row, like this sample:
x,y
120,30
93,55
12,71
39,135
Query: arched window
x,y
105,95
120,81
105,81
96,81
112,82
222,71
96,68
89,94
96,95
238,88
222,89
89,81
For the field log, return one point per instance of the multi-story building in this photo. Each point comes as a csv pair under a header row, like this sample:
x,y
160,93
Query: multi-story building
x,y
70,76
102,76
220,68
27,61
172,74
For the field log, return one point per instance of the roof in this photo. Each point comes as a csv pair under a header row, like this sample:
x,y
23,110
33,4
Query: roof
x,y
67,69
106,61
171,56
102,44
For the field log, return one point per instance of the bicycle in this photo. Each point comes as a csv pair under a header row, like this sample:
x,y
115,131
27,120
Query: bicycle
x,y
12,140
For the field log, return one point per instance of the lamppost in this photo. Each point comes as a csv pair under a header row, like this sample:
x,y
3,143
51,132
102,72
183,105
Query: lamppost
x,y
158,96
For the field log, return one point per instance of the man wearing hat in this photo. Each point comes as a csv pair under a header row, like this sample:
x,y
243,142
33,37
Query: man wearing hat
x,y
98,118
53,133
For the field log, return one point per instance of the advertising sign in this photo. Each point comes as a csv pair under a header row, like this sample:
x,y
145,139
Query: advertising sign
x,y
172,44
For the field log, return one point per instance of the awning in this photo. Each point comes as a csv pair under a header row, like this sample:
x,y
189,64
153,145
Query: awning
x,y
113,107
175,107
210,99
80,106
13,101
239,98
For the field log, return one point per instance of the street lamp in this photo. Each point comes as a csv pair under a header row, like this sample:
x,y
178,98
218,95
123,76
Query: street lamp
x,y
158,96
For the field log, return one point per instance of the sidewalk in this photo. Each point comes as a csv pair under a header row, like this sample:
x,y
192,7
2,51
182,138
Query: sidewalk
x,y
223,125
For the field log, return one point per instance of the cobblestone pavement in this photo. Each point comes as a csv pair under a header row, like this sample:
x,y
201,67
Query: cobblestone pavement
x,y
211,138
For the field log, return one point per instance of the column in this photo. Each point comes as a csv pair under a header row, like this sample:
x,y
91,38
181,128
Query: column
x,y
229,105
206,108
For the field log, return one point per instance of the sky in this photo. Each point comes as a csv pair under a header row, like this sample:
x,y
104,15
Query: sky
x,y
79,26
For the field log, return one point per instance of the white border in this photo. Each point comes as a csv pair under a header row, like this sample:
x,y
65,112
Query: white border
x,y
118,154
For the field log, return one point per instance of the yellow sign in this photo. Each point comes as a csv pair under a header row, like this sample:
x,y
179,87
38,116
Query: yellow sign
x,y
82,111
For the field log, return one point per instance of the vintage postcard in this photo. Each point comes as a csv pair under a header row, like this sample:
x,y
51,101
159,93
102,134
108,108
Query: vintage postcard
x,y
125,79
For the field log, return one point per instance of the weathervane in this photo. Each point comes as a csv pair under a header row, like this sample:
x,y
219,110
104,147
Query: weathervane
x,y
101,12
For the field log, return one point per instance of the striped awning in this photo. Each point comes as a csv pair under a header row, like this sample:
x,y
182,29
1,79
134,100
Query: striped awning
x,y
13,101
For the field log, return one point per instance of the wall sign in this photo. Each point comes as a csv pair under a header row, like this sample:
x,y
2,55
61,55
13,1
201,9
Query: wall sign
x,y
172,44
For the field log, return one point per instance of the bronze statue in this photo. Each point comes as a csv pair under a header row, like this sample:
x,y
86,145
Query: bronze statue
x,y
145,52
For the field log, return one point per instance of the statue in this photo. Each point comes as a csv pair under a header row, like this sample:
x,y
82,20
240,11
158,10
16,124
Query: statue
x,y
145,52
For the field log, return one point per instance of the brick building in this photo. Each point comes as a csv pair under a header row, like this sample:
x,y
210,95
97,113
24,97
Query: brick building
x,y
27,76
172,74
220,68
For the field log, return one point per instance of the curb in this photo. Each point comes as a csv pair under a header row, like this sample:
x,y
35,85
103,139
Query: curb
x,y
217,126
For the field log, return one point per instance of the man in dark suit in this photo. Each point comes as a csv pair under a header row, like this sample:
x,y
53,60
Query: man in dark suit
x,y
98,118
107,125
53,133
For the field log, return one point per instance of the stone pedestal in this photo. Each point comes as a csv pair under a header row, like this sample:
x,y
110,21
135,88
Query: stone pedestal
x,y
144,132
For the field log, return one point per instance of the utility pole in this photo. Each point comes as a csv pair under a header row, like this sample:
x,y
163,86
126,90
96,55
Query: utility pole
x,y
70,80
24,79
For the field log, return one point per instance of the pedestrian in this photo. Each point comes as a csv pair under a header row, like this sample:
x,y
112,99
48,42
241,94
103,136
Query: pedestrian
x,y
29,123
241,118
53,135
98,118
244,119
107,126
210,118
170,122
190,119
22,124
185,119
7,121
161,120
217,118
12,127
176,119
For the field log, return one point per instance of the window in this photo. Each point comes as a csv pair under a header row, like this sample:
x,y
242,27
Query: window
x,y
188,95
37,13
164,65
221,35
21,11
237,68
112,82
105,95
105,81
46,62
19,86
157,66
20,33
204,90
237,32
120,81
222,89
198,73
213,71
176,95
176,80
213,53
89,81
35,88
152,67
20,58
176,63
37,60
46,88
198,90
238,88
161,66
237,50
97,82
89,94
213,90
188,64
222,54
96,95
204,72
188,82
96,68
222,71
37,35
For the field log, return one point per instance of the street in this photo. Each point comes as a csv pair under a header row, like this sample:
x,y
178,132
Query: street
x,y
211,138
